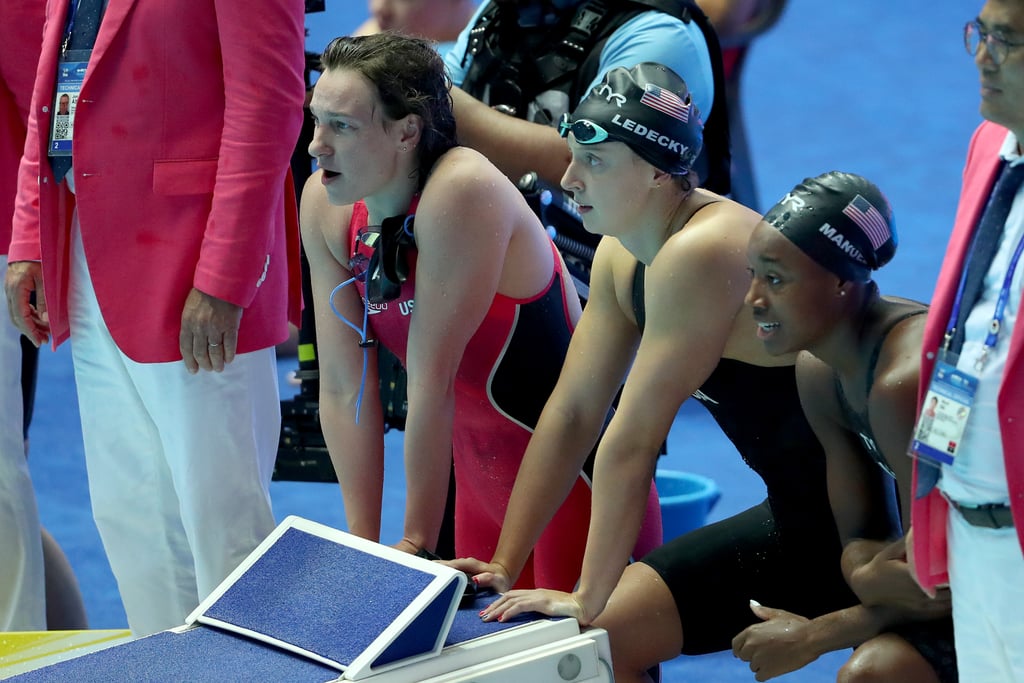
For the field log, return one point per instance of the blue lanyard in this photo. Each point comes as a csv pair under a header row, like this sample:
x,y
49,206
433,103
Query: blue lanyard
x,y
997,318
364,343
69,28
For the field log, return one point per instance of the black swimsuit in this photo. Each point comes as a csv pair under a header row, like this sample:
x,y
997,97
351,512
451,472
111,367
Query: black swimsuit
x,y
784,552
861,422
932,638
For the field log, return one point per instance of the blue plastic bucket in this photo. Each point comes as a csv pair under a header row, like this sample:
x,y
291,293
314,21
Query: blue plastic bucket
x,y
686,499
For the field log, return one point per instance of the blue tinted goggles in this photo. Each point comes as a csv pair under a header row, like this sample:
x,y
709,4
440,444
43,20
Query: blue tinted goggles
x,y
586,132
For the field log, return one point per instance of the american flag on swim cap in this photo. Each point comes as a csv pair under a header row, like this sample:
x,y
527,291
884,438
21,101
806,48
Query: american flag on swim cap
x,y
666,102
861,212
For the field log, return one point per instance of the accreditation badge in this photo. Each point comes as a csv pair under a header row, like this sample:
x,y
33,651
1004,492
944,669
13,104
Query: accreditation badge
x,y
943,419
70,75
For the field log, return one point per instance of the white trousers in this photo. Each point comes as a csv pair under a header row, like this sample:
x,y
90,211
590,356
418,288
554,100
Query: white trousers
x,y
986,576
179,465
22,586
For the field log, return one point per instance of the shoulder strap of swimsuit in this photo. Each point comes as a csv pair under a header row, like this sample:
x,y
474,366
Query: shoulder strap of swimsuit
x,y
877,351
638,296
639,311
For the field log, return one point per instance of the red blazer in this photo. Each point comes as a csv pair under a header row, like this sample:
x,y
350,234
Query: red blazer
x,y
21,33
187,119
930,513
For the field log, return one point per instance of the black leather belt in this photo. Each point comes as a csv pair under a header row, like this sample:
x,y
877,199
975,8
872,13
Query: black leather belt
x,y
990,516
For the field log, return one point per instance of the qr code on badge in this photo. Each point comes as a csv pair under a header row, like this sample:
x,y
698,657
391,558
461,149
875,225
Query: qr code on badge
x,y
60,127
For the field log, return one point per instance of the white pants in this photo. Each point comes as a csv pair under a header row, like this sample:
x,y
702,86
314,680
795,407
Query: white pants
x,y
986,576
22,586
179,465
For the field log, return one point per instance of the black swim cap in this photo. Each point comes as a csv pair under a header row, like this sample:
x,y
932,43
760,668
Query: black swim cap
x,y
647,107
840,220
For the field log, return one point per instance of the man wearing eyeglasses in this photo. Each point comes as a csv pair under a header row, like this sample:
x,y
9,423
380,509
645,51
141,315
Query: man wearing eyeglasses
x,y
969,511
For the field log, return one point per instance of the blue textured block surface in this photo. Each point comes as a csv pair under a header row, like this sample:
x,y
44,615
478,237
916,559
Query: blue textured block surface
x,y
422,630
467,624
324,597
199,655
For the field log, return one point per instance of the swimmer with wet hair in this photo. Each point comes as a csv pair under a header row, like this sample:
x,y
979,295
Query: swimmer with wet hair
x,y
811,261
666,314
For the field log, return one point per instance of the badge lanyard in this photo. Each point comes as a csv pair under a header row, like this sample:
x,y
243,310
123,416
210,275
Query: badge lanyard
x,y
997,318
71,68
950,396
69,28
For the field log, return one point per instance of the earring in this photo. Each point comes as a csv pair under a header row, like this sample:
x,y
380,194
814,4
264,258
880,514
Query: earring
x,y
842,292
405,149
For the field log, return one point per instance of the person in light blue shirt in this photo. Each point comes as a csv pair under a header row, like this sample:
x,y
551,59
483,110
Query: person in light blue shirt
x,y
528,141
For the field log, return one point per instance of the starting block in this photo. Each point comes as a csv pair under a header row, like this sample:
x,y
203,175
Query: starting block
x,y
316,604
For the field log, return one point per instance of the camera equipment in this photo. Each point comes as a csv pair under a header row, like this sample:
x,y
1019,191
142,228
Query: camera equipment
x,y
560,217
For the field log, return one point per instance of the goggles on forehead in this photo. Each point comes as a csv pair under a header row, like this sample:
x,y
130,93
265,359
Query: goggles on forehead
x,y
586,132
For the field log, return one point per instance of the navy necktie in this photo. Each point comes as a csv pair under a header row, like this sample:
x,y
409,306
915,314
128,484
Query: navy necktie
x,y
986,243
985,246
87,24
87,14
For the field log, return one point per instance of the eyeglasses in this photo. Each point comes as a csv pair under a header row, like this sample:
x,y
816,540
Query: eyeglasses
x,y
998,48
586,132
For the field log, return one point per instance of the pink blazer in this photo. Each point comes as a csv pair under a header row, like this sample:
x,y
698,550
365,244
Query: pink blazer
x,y
930,513
21,33
187,119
